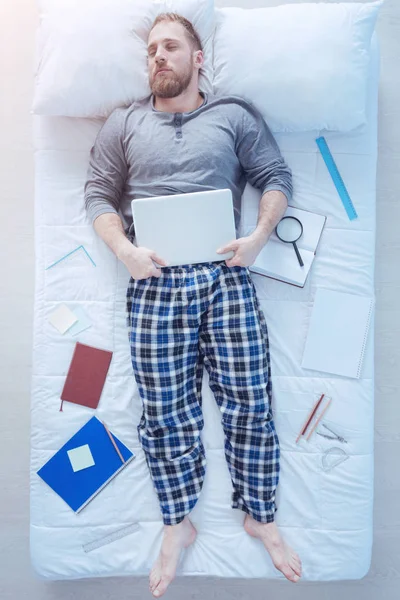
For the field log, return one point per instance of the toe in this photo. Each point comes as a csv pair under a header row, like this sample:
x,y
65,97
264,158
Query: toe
x,y
162,587
296,569
154,581
153,587
295,560
296,557
296,566
290,574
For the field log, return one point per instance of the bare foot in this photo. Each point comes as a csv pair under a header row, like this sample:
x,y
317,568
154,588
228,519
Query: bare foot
x,y
283,556
176,539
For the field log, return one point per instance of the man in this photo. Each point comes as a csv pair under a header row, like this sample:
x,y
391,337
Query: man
x,y
179,140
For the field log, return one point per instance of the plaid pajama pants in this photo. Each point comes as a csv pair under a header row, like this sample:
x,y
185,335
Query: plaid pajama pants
x,y
194,315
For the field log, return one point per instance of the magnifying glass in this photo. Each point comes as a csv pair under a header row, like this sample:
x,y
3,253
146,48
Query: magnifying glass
x,y
290,229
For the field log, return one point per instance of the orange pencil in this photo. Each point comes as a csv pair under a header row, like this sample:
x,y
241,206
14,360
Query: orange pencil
x,y
113,442
308,420
319,418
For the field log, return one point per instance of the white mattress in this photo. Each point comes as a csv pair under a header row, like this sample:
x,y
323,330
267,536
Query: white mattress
x,y
326,517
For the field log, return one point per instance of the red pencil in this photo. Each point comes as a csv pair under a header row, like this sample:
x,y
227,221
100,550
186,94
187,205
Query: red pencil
x,y
308,421
319,418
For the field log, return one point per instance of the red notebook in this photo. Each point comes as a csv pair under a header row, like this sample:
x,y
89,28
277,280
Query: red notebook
x,y
86,375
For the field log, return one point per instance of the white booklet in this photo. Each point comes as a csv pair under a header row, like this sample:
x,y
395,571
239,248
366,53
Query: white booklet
x,y
278,259
338,332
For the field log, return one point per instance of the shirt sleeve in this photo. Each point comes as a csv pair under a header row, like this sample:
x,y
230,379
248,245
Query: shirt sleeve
x,y
259,154
108,169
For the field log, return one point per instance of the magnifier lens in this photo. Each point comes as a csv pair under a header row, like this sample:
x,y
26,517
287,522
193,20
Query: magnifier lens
x,y
289,229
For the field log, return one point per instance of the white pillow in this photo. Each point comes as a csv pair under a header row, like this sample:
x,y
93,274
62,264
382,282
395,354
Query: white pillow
x,y
304,66
91,54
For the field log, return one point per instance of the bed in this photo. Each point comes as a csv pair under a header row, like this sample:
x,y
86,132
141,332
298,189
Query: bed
x,y
326,517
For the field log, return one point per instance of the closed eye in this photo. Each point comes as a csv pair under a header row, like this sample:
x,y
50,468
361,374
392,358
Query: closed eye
x,y
151,53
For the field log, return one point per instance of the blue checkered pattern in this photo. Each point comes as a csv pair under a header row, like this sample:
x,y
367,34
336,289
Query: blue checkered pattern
x,y
194,315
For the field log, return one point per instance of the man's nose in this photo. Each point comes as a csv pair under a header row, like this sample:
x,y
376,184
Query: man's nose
x,y
159,57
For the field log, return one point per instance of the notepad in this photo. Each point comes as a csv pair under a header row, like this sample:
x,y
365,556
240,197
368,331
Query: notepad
x,y
338,332
81,457
63,318
81,324
76,477
86,375
278,259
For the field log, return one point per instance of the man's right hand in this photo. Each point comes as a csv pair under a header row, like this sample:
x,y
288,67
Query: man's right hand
x,y
139,262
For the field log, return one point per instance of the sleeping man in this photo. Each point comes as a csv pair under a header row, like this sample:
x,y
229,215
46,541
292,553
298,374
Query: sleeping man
x,y
185,317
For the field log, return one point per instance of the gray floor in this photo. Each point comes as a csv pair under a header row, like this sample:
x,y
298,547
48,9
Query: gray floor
x,y
18,19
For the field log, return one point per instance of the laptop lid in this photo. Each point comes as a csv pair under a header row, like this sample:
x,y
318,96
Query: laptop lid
x,y
186,228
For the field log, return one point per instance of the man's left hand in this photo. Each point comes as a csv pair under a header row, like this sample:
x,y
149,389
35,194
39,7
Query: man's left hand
x,y
246,250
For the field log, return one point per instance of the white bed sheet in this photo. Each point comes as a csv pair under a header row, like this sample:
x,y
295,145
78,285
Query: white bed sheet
x,y
326,517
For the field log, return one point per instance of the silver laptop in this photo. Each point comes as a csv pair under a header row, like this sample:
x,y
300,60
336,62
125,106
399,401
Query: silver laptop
x,y
186,228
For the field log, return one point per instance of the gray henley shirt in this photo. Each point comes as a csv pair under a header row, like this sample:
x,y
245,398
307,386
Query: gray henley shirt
x,y
141,152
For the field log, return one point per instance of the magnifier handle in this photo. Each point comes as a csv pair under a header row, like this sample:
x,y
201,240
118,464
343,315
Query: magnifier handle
x,y
298,254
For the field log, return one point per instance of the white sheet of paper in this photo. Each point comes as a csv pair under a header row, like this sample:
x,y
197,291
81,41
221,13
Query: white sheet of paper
x,y
313,224
278,259
80,457
62,318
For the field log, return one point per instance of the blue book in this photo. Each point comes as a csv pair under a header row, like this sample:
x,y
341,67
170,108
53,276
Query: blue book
x,y
85,464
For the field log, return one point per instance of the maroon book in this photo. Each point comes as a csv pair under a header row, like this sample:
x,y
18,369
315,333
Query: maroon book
x,y
86,375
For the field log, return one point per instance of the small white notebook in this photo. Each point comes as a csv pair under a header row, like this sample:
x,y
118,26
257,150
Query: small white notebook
x,y
338,332
278,259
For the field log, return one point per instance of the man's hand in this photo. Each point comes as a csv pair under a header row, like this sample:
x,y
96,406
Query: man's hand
x,y
246,250
140,261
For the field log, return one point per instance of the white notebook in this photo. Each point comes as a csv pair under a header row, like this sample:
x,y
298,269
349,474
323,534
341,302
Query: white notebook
x,y
337,333
278,259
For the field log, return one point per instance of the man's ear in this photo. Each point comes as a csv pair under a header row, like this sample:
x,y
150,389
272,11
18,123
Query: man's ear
x,y
199,60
